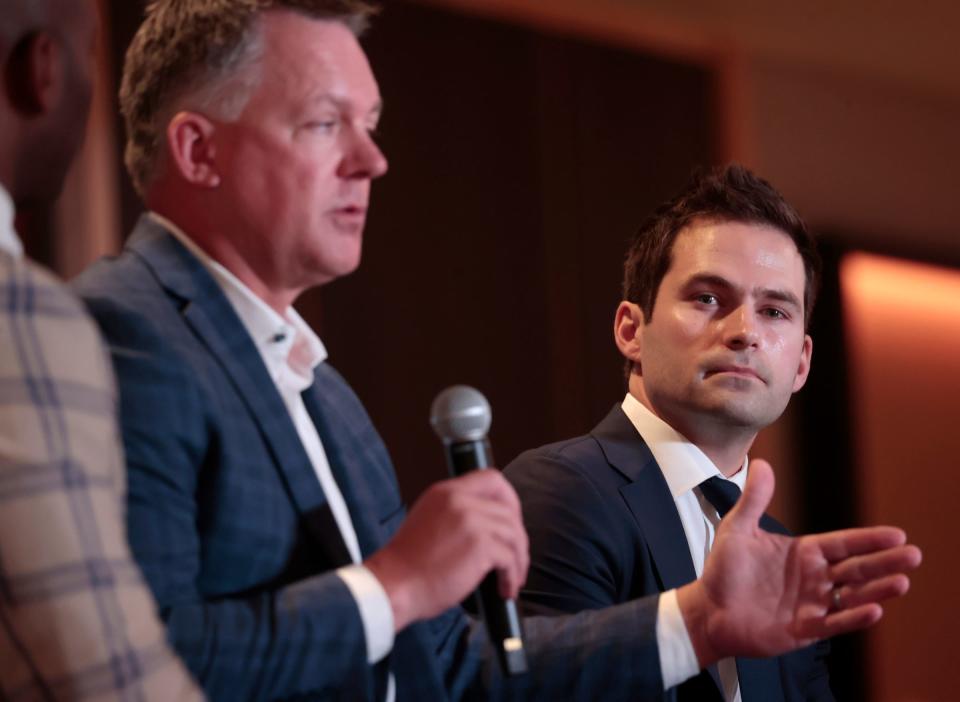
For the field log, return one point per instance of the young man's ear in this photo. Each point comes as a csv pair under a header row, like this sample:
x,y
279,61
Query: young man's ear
x,y
34,74
803,368
627,327
191,149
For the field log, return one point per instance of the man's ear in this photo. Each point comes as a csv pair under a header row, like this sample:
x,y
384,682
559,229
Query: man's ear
x,y
803,369
34,74
192,151
627,327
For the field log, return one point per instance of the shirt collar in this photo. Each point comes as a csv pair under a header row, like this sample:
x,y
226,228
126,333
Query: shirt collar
x,y
289,347
683,464
9,241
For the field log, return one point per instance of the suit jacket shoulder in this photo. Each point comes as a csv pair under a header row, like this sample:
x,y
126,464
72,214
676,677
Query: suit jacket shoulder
x,y
233,532
221,494
604,530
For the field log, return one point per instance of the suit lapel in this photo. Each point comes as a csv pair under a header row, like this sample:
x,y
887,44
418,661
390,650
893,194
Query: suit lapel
x,y
347,453
212,318
652,505
650,501
648,498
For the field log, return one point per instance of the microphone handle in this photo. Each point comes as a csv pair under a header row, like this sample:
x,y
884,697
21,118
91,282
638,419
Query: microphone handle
x,y
499,614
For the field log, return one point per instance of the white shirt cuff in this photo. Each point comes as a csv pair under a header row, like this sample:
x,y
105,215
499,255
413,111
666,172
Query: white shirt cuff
x,y
678,660
375,610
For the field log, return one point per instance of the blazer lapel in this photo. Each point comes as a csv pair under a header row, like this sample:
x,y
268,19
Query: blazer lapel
x,y
650,501
347,447
212,318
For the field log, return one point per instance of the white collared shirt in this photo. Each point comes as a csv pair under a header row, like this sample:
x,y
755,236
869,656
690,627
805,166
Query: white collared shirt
x,y
684,467
290,350
9,241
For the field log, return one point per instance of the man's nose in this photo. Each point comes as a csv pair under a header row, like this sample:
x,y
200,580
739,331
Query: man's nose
x,y
740,328
363,158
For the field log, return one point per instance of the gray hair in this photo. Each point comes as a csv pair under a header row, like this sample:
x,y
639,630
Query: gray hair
x,y
205,52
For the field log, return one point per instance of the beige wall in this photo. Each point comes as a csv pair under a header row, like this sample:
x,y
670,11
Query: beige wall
x,y
868,158
904,323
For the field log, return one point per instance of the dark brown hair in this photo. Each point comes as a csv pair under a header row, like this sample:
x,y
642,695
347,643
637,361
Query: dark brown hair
x,y
186,45
725,194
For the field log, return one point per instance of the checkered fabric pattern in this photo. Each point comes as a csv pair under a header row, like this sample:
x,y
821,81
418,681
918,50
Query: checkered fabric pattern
x,y
76,620
227,517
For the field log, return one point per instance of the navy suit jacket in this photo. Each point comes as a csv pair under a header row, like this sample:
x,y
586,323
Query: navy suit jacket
x,y
604,529
235,537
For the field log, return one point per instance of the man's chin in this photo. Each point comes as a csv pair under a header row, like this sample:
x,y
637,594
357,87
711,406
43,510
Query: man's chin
x,y
326,271
736,410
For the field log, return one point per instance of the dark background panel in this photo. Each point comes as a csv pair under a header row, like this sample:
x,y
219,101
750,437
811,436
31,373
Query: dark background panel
x,y
520,166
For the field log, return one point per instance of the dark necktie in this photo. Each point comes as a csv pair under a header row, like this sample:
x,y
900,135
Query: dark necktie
x,y
722,494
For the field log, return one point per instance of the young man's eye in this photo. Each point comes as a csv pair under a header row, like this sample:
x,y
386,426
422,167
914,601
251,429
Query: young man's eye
x,y
774,313
707,299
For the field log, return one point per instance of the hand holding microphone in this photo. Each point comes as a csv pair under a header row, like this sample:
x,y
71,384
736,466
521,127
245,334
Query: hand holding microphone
x,y
461,417
457,532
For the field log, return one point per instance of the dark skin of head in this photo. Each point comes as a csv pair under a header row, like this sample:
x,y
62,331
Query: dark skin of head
x,y
46,49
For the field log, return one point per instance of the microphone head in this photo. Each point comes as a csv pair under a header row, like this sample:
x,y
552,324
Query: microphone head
x,y
460,413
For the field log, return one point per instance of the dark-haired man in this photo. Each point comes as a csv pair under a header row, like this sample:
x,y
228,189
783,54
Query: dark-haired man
x,y
719,284
76,619
264,509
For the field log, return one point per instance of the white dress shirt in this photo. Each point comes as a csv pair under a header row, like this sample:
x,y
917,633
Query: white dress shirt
x,y
9,241
290,350
684,467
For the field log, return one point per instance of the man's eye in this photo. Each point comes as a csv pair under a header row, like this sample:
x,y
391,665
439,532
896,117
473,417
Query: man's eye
x,y
774,313
321,125
707,299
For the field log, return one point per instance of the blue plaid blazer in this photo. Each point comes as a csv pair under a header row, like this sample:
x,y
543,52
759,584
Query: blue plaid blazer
x,y
234,535
76,620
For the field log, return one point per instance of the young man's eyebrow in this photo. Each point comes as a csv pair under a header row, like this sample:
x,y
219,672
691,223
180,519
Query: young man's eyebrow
x,y
718,281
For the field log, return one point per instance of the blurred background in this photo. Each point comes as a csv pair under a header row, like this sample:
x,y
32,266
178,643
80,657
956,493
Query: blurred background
x,y
528,138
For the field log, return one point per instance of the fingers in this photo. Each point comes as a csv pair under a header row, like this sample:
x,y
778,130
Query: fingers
x,y
857,595
492,515
838,545
488,483
815,625
456,533
847,620
855,569
498,533
756,497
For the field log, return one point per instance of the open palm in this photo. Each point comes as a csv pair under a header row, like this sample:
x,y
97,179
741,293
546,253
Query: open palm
x,y
768,594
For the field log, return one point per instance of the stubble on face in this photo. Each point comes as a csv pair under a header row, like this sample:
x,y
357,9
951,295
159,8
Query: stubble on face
x,y
725,346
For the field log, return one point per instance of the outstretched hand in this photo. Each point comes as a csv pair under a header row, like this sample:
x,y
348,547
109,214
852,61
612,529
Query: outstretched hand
x,y
764,594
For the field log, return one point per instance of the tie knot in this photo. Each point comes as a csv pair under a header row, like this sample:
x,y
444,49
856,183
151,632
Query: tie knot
x,y
721,493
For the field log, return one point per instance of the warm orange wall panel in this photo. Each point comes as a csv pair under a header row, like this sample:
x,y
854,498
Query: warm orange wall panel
x,y
904,323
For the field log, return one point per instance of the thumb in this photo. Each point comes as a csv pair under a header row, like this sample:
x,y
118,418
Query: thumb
x,y
756,495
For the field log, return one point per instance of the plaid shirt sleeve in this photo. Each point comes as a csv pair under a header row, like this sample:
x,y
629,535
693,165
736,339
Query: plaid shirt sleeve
x,y
76,620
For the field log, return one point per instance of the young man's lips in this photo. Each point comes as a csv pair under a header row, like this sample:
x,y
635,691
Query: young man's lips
x,y
742,371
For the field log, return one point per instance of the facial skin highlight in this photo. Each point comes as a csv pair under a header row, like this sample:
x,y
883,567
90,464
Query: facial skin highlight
x,y
287,182
725,346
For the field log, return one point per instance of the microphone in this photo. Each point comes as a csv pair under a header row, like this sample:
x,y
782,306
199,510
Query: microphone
x,y
460,416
